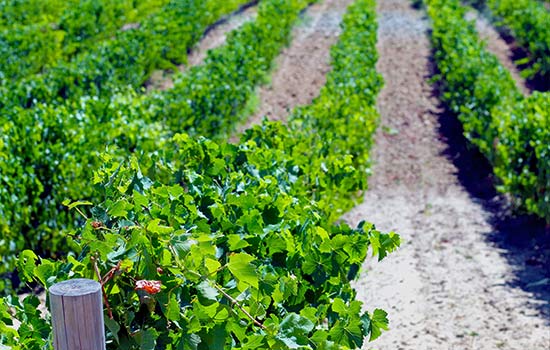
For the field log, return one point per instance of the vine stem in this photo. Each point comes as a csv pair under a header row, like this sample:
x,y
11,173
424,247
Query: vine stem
x,y
217,270
94,260
235,302
81,213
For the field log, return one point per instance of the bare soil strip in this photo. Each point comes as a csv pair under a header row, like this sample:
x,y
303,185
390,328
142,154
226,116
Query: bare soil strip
x,y
499,47
302,67
452,284
214,37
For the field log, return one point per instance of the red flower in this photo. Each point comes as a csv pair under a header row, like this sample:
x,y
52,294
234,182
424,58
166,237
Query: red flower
x,y
151,287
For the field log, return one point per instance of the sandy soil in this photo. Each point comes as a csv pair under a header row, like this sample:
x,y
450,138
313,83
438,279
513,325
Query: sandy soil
x,y
214,37
460,280
302,67
499,47
466,275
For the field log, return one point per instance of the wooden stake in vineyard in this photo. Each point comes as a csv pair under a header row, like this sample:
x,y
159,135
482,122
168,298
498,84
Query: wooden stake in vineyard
x,y
77,315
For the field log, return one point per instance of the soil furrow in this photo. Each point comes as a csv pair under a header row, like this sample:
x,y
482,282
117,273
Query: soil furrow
x,y
301,69
214,37
449,286
499,47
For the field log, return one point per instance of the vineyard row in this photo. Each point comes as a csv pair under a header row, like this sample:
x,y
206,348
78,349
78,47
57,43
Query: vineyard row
x,y
241,240
509,129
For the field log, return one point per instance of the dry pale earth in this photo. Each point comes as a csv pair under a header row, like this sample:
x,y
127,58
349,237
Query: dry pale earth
x,y
498,47
449,286
214,37
300,71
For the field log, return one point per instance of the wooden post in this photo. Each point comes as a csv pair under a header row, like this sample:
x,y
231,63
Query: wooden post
x,y
77,315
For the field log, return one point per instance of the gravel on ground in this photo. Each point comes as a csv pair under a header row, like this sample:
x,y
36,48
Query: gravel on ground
x,y
301,69
466,276
452,284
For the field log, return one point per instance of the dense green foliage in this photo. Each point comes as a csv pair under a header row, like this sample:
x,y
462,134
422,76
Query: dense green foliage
x,y
64,142
211,98
529,22
510,130
46,153
91,21
242,237
61,31
26,50
127,58
43,164
25,12
523,150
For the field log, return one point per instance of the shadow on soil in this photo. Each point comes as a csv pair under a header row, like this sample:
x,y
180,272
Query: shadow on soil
x,y
536,83
224,19
524,239
519,54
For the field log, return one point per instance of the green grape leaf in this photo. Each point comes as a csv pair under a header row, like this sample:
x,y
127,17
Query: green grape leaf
x,y
26,264
294,330
241,267
173,308
44,271
207,293
375,323
113,327
155,227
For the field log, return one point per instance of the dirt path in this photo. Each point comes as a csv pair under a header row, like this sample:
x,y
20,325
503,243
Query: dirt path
x,y
452,284
214,37
498,47
302,67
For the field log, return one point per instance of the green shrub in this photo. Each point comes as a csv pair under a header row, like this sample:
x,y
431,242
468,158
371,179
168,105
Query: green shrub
x,y
523,149
45,164
528,21
26,12
219,227
126,57
35,42
509,129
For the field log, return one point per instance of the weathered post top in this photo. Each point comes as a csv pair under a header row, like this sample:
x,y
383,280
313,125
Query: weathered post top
x,y
77,315
75,287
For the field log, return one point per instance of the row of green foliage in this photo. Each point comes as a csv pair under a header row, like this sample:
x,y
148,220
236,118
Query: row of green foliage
x,y
523,149
510,130
160,41
43,165
26,12
241,237
529,22
210,99
27,49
